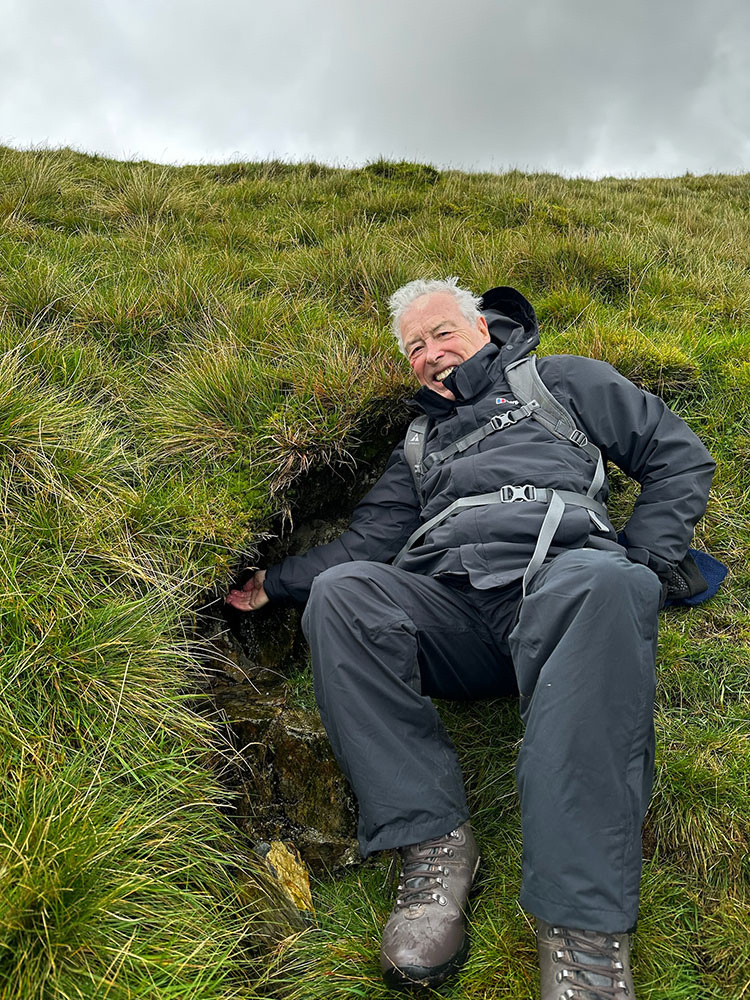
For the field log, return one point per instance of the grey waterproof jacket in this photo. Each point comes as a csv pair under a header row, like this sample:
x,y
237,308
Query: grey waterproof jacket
x,y
492,545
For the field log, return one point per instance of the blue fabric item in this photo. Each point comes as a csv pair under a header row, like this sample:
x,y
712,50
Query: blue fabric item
x,y
713,572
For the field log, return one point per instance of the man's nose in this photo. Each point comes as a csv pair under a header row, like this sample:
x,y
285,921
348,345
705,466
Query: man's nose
x,y
434,351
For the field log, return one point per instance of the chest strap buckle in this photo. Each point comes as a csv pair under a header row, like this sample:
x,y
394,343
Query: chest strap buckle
x,y
502,420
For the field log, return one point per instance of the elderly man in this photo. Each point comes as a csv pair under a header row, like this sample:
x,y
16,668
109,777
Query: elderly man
x,y
508,577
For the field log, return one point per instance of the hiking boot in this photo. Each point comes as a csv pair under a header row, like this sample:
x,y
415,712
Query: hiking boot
x,y
424,939
583,965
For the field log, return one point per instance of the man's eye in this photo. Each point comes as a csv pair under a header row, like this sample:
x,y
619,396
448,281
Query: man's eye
x,y
415,350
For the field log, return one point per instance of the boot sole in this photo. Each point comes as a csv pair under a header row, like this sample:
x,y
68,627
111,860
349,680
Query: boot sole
x,y
415,976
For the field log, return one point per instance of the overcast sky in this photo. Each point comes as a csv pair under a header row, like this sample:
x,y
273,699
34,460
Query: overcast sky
x,y
627,87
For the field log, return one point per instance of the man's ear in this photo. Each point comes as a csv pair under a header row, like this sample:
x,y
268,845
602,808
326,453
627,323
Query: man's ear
x,y
482,326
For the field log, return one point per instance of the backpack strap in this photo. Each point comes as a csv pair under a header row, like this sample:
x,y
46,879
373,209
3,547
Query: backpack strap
x,y
498,423
537,402
556,501
526,383
414,444
416,438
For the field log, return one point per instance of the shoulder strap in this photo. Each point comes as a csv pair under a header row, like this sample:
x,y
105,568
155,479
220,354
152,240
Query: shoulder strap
x,y
414,445
528,386
526,383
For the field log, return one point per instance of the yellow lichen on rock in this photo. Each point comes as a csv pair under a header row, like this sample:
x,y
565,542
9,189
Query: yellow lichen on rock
x,y
291,871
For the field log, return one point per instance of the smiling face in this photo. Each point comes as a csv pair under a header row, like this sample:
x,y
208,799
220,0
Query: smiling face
x,y
437,337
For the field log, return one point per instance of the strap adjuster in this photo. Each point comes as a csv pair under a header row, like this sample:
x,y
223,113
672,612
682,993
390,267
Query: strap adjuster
x,y
579,438
511,494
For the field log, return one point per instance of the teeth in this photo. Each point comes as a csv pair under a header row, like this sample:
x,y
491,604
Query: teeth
x,y
444,375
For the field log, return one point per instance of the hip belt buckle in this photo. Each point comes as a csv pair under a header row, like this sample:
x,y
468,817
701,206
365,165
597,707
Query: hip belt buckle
x,y
510,494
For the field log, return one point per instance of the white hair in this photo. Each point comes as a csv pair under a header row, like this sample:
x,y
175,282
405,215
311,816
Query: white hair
x,y
399,302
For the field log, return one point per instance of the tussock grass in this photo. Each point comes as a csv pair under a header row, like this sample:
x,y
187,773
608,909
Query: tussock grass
x,y
101,892
178,348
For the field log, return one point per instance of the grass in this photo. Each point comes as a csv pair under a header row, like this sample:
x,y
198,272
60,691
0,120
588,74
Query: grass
x,y
179,348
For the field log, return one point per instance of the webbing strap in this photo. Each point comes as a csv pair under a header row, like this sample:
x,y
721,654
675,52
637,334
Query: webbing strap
x,y
526,382
509,494
414,447
562,429
598,480
547,531
498,423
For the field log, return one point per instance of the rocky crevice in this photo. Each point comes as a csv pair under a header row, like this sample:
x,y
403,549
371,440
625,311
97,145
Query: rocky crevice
x,y
284,781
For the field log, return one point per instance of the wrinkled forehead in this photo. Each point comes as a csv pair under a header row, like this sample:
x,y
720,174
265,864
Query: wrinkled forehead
x,y
424,313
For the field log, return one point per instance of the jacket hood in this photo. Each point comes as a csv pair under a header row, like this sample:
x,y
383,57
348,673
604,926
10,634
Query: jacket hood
x,y
514,333
512,322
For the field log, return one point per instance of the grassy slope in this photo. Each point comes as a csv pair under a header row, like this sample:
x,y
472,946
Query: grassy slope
x,y
177,346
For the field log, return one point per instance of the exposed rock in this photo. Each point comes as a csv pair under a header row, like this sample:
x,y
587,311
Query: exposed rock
x,y
286,783
319,799
261,652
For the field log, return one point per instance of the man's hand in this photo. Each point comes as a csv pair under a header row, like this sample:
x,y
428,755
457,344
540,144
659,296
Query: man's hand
x,y
685,580
252,596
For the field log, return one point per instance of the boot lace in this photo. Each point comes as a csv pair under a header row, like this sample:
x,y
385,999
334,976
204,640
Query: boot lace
x,y
423,870
591,968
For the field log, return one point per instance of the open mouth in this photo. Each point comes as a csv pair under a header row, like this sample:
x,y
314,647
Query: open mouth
x,y
443,375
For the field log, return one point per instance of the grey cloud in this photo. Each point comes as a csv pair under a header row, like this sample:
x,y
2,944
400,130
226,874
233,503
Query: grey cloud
x,y
577,86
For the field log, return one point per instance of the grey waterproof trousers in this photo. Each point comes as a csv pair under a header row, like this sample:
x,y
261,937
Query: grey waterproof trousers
x,y
581,653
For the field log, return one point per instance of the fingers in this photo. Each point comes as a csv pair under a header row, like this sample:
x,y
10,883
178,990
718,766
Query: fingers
x,y
251,596
243,600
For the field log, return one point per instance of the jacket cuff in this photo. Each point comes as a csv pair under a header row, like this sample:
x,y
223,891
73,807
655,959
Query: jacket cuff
x,y
646,558
275,590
